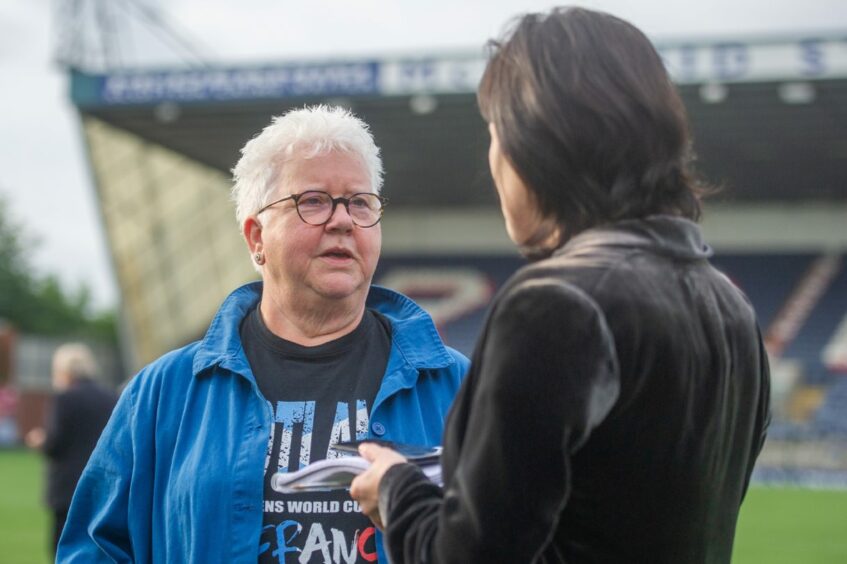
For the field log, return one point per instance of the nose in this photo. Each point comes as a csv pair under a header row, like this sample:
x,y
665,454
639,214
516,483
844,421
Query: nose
x,y
340,219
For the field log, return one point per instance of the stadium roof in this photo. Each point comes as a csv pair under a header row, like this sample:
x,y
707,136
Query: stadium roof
x,y
769,117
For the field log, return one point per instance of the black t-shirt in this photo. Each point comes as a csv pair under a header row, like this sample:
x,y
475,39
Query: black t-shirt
x,y
319,396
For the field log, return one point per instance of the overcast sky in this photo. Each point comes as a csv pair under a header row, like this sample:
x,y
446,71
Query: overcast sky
x,y
43,173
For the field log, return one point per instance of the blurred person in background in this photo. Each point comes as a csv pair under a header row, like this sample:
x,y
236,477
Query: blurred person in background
x,y
619,393
76,417
310,356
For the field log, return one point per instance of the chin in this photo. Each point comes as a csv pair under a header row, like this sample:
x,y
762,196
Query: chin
x,y
340,289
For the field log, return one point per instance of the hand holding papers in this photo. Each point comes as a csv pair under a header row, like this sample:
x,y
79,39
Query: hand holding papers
x,y
415,454
337,473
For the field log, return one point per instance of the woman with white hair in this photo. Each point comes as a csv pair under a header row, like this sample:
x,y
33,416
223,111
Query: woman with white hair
x,y
75,419
310,356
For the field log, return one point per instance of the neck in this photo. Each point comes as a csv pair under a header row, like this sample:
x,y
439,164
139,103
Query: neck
x,y
541,244
311,322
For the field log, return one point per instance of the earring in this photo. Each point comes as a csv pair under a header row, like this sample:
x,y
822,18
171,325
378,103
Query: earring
x,y
259,258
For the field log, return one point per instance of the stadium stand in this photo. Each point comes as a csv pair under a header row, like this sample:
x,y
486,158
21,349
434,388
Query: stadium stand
x,y
824,319
808,437
767,117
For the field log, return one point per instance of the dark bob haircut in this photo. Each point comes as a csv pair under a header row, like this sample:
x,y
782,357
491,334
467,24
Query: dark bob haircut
x,y
586,113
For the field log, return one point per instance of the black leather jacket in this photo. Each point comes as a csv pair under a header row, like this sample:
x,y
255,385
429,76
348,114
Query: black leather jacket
x,y
617,400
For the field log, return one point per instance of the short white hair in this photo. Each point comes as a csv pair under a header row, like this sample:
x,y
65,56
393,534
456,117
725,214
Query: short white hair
x,y
303,133
76,360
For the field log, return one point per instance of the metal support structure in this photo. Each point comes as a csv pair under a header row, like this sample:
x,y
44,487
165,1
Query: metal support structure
x,y
107,35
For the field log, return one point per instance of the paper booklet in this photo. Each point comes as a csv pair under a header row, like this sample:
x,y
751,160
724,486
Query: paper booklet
x,y
338,473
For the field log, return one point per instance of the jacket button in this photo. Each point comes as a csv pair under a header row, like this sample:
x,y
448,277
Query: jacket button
x,y
378,428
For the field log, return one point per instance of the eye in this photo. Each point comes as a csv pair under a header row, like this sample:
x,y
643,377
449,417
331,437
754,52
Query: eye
x,y
360,202
312,199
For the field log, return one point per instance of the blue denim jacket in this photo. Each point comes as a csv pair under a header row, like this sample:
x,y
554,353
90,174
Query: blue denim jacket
x,y
177,474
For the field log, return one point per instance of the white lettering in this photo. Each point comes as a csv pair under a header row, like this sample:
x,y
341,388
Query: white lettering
x,y
274,506
812,57
340,429
351,506
270,440
339,547
316,541
315,506
730,60
362,420
290,414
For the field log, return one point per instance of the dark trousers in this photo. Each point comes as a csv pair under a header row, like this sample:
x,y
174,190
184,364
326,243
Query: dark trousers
x,y
59,518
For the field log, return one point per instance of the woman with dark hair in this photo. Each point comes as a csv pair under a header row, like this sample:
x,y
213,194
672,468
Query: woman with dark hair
x,y
619,392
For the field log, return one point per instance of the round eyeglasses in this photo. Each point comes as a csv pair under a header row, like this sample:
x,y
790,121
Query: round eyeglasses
x,y
316,207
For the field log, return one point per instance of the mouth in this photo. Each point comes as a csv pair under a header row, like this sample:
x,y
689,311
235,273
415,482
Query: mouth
x,y
337,254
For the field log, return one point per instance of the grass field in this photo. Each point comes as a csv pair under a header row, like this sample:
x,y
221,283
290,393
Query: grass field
x,y
23,519
777,526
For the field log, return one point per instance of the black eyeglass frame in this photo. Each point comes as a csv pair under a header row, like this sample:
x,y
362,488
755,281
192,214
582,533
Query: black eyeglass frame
x,y
346,201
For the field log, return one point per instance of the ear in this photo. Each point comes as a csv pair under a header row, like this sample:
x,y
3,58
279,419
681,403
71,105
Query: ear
x,y
252,231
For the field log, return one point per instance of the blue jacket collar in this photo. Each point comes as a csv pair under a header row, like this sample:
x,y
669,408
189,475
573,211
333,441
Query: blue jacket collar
x,y
412,331
222,343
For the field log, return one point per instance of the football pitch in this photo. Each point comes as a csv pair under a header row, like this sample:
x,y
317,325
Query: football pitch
x,y
777,525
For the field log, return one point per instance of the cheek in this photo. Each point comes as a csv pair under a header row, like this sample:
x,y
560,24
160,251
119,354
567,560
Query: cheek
x,y
494,167
371,246
294,246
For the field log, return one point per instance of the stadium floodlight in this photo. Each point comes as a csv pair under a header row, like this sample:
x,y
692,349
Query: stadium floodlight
x,y
713,92
797,92
422,104
167,112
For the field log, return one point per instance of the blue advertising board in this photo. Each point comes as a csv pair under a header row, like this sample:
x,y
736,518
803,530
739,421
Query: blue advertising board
x,y
688,62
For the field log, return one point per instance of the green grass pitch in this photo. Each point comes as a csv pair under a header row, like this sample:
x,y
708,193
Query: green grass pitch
x,y
777,525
